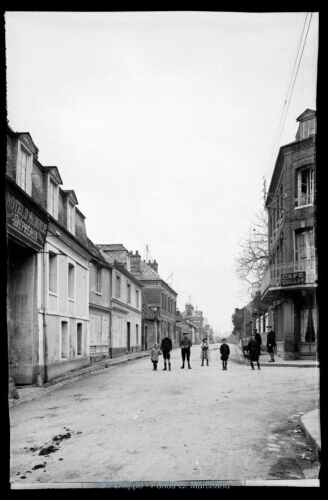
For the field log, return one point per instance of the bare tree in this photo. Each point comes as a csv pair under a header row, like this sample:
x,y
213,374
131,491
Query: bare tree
x,y
253,259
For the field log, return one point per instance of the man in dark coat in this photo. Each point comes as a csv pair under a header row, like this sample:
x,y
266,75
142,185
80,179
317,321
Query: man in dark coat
x,y
253,350
185,345
258,339
166,348
271,343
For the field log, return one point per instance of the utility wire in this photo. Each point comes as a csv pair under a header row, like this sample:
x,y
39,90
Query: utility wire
x,y
290,90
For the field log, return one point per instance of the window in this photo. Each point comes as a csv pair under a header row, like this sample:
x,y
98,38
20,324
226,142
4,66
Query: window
x,y
71,217
23,169
137,298
64,339
305,250
79,339
52,272
308,128
118,286
52,199
129,293
71,281
304,184
98,279
137,334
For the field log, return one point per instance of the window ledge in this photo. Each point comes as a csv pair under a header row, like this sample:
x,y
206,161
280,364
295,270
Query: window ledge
x,y
304,206
98,293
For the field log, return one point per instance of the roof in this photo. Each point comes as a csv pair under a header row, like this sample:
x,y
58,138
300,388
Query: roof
x,y
71,194
106,257
111,247
307,114
54,172
97,254
147,273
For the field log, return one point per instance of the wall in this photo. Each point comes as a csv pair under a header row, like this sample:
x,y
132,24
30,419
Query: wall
x,y
22,317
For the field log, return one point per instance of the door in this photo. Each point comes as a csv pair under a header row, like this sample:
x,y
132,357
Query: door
x,y
128,336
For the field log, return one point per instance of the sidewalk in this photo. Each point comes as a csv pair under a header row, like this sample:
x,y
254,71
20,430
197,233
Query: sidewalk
x,y
30,392
264,360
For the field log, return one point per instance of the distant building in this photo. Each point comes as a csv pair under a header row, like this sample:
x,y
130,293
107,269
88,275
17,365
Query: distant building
x,y
290,285
196,317
126,301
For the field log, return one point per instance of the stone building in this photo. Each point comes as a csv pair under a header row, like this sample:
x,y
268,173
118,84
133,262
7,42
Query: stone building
x,y
159,300
126,302
195,317
290,285
47,268
100,294
159,297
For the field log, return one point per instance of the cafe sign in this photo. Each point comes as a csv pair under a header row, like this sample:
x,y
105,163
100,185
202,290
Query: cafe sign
x,y
25,220
293,278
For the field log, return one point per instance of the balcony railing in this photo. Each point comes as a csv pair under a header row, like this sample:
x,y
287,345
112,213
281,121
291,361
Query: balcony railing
x,y
275,272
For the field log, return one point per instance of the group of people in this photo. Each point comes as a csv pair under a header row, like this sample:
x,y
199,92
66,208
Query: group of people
x,y
254,346
185,344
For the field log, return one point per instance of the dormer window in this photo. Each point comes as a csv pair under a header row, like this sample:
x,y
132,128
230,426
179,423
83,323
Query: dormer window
x,y
70,217
53,199
24,170
308,128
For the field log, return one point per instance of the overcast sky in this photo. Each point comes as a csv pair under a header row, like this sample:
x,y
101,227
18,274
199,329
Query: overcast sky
x,y
164,124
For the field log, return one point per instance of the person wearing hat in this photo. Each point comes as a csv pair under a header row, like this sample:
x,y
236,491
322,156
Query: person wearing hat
x,y
185,344
253,350
166,348
271,342
258,339
204,351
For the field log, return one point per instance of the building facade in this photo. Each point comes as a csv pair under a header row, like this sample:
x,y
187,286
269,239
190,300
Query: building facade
x,y
289,286
100,294
159,297
48,268
126,302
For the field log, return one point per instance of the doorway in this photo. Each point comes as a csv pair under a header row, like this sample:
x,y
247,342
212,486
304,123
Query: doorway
x,y
128,339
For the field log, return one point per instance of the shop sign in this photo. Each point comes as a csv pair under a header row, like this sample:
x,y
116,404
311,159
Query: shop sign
x,y
293,278
25,221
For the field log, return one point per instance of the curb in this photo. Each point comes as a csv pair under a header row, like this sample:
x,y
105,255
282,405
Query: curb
x,y
310,423
79,374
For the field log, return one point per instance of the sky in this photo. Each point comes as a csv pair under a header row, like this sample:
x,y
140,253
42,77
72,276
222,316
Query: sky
x,y
165,124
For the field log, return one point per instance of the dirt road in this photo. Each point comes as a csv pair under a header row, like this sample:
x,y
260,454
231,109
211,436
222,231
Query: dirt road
x,y
130,423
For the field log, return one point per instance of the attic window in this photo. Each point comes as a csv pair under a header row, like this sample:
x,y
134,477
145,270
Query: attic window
x,y
308,128
71,217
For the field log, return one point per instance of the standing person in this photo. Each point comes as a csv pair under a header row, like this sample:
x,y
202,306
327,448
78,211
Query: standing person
x,y
204,351
271,343
154,353
166,348
258,339
185,345
225,353
253,350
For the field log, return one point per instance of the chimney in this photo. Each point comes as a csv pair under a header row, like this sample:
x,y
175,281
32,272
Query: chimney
x,y
153,265
135,261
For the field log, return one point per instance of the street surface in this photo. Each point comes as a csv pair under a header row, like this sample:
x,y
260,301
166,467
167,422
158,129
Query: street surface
x,y
130,423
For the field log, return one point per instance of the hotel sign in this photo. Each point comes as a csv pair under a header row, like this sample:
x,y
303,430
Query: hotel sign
x,y
293,278
25,220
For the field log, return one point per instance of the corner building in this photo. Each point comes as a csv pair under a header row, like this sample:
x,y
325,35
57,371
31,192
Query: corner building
x,y
289,286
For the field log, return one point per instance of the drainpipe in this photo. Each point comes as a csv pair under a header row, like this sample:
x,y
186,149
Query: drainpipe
x,y
44,282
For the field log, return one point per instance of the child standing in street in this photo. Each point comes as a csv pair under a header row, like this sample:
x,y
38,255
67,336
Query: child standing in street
x,y
154,353
253,350
204,351
225,352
